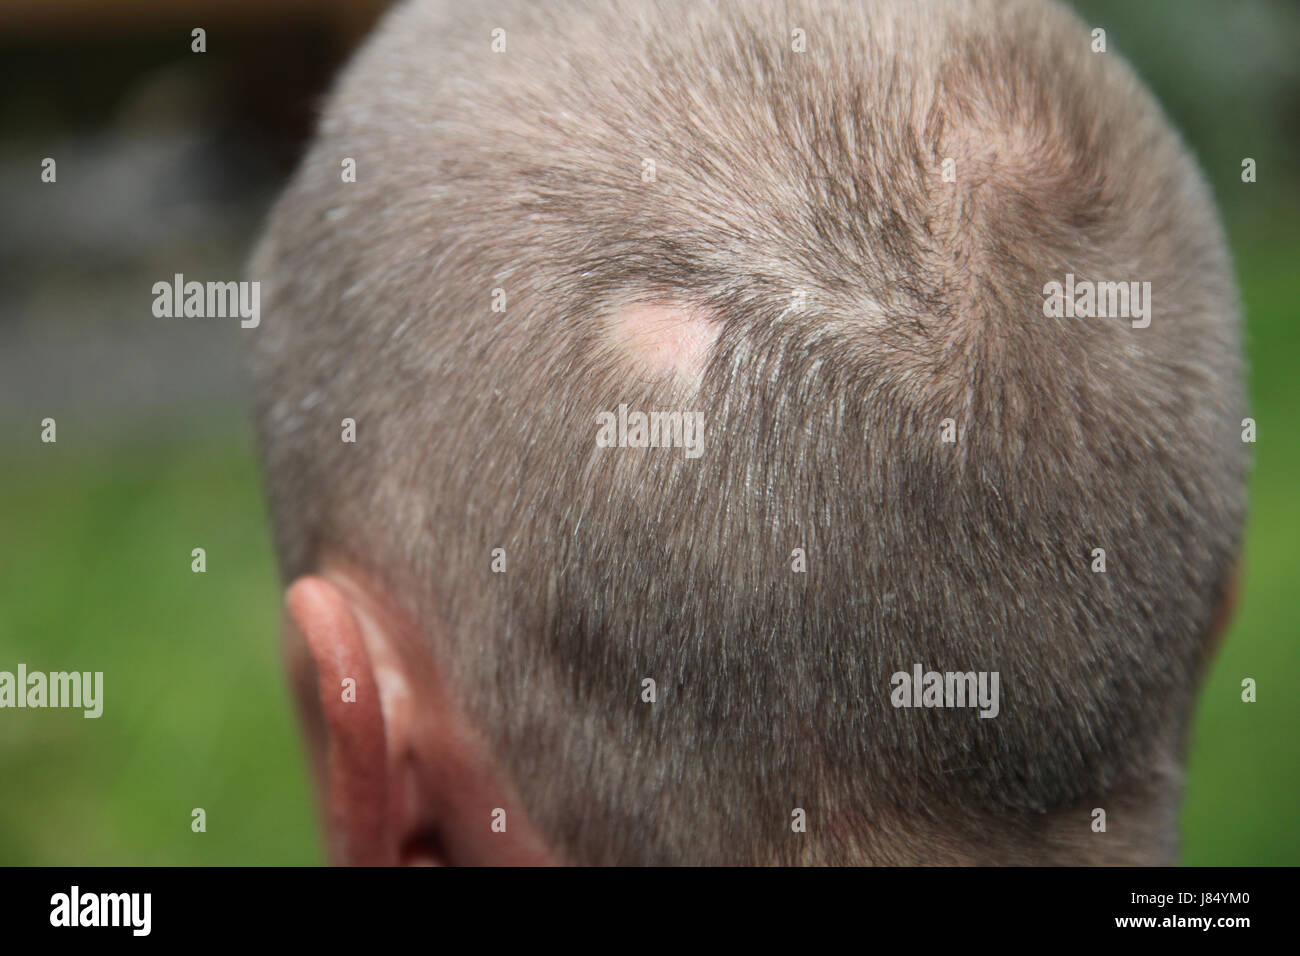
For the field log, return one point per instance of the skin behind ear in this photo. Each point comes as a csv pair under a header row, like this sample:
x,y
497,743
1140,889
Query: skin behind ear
x,y
403,775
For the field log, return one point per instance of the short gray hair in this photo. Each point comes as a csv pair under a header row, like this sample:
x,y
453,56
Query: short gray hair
x,y
777,173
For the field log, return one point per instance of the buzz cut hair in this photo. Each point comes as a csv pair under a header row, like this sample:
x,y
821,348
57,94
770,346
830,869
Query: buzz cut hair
x,y
869,198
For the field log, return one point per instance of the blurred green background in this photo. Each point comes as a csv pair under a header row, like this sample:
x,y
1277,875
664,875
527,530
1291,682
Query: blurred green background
x,y
176,159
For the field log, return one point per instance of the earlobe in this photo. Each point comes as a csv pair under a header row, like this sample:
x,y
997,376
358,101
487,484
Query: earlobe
x,y
356,761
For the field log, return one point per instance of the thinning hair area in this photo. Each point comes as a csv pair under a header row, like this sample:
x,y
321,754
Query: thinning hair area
x,y
826,229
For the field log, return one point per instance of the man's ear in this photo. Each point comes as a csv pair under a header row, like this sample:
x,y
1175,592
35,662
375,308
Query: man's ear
x,y
1226,609
345,723
403,776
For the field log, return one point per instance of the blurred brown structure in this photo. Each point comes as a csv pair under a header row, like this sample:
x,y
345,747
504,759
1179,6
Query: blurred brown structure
x,y
166,161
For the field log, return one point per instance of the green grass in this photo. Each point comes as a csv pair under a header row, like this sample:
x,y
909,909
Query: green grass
x,y
196,712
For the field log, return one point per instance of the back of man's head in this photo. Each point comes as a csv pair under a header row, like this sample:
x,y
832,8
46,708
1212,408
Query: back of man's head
x,y
825,237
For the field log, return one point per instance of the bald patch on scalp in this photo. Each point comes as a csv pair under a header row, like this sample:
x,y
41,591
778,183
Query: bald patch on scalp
x,y
665,339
